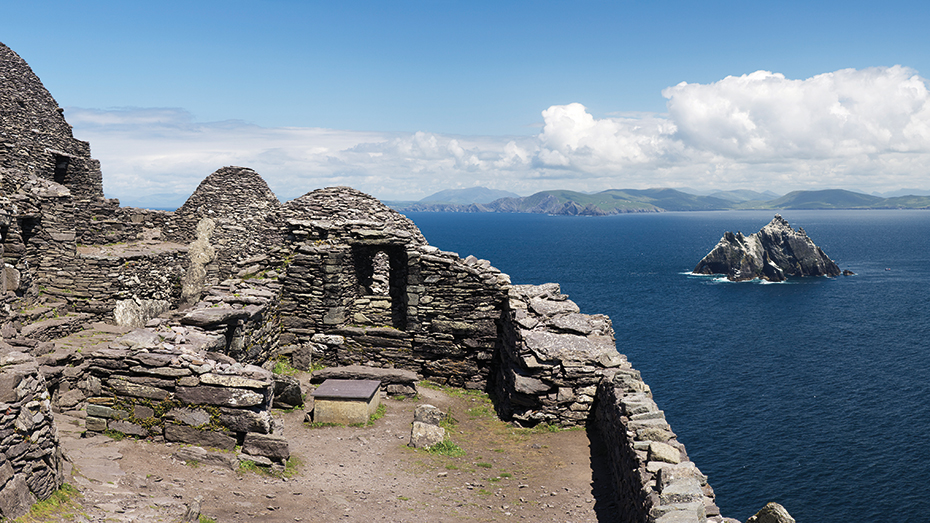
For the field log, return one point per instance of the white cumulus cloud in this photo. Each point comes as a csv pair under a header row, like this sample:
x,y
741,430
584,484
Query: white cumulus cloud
x,y
863,129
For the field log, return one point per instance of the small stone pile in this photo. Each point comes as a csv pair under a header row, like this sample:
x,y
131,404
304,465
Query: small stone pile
x,y
426,430
30,457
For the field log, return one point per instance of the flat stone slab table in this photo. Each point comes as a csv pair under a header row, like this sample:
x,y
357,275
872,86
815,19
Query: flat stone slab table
x,y
346,402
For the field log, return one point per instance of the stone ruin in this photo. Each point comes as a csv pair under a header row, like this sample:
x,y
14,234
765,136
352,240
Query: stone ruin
x,y
234,280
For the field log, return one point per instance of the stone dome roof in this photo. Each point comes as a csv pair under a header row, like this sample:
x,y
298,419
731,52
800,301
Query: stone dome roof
x,y
34,136
344,209
231,193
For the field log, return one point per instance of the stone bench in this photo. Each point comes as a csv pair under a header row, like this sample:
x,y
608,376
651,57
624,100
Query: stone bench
x,y
395,381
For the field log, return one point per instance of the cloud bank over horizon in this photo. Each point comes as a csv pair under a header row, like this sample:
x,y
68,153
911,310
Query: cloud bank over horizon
x,y
866,129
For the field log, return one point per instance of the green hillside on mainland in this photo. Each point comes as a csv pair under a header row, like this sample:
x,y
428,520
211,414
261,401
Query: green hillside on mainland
x,y
615,201
824,199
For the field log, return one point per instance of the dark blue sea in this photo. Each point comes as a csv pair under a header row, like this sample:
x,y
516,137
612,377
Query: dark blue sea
x,y
814,393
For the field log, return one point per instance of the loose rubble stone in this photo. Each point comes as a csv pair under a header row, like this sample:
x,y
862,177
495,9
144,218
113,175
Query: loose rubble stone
x,y
269,446
425,435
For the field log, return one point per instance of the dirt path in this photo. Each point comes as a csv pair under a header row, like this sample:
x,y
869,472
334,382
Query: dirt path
x,y
358,474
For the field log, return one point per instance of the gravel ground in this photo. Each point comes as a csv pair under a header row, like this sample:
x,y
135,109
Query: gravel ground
x,y
359,474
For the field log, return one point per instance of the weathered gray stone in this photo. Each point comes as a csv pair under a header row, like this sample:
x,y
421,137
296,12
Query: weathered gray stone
x,y
15,498
428,414
663,452
70,398
137,339
272,447
231,380
10,378
202,438
242,420
209,395
6,471
201,455
128,428
126,388
528,385
214,316
771,513
142,412
188,416
425,435
102,411
287,392
136,312
95,424
362,372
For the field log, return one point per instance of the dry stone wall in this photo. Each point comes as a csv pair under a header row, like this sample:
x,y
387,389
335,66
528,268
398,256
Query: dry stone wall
x,y
246,215
653,477
34,136
551,357
169,383
30,457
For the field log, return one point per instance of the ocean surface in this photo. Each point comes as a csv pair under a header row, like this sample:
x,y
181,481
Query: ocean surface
x,y
814,393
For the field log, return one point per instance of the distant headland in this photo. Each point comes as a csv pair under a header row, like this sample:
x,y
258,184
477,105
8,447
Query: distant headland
x,y
619,201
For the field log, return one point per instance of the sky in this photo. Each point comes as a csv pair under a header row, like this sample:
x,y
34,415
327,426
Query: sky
x,y
404,99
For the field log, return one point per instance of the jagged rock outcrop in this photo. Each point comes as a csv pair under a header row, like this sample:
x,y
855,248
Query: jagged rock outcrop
x,y
774,253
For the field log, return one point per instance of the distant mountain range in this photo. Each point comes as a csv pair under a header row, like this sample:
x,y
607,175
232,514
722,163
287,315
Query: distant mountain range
x,y
616,201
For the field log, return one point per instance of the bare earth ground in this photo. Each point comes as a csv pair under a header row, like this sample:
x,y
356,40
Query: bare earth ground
x,y
362,474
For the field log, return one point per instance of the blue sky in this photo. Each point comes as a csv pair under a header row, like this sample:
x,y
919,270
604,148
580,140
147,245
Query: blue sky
x,y
402,99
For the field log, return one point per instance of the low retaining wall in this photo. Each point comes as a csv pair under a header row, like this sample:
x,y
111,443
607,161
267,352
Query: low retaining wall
x,y
167,383
30,456
654,482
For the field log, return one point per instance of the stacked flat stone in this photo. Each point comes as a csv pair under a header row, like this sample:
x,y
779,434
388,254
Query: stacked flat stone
x,y
34,136
244,314
440,319
30,456
167,382
343,214
652,475
552,357
246,214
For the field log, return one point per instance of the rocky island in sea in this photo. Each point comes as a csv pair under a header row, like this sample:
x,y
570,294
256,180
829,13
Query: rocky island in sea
x,y
774,253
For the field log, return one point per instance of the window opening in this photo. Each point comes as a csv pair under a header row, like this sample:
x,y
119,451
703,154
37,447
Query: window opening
x,y
61,169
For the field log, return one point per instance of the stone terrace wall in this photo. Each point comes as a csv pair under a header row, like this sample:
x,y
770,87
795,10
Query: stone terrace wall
x,y
654,482
167,382
551,357
30,456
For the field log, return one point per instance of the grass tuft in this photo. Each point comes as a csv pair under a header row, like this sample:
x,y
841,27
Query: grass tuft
x,y
447,448
59,504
